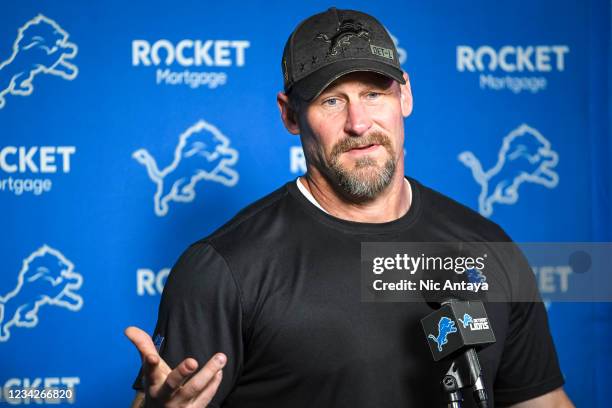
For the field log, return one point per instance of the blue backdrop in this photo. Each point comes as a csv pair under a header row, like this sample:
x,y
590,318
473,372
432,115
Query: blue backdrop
x,y
98,198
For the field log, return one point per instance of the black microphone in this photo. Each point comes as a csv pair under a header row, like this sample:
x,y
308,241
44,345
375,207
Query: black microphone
x,y
454,331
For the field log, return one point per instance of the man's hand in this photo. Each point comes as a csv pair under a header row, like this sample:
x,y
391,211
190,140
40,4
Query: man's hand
x,y
169,388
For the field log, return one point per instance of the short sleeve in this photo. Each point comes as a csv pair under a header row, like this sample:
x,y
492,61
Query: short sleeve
x,y
529,365
200,314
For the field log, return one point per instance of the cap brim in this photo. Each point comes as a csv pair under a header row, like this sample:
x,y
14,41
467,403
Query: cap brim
x,y
311,86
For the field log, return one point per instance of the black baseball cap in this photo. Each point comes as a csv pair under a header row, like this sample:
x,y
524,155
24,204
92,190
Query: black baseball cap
x,y
336,42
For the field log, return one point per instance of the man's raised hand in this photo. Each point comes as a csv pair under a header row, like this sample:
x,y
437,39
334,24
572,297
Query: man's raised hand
x,y
170,388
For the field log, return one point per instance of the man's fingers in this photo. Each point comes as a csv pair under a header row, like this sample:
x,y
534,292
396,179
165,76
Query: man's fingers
x,y
141,340
209,392
199,382
177,377
155,369
168,383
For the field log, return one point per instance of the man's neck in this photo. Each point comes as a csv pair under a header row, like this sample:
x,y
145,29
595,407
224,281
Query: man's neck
x,y
390,205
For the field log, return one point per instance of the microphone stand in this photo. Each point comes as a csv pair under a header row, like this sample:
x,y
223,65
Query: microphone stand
x,y
464,372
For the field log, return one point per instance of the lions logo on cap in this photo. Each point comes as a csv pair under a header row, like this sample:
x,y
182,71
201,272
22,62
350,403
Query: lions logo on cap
x,y
340,41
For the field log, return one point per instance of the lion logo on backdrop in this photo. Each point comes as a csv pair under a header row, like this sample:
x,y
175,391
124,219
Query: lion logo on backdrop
x,y
41,47
47,277
202,153
525,156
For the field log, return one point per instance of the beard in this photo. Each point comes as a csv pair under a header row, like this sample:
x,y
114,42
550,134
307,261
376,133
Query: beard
x,y
367,179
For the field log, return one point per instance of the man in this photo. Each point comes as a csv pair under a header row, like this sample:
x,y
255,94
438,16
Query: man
x,y
272,299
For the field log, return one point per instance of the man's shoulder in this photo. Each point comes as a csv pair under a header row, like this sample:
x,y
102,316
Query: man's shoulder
x,y
439,209
260,221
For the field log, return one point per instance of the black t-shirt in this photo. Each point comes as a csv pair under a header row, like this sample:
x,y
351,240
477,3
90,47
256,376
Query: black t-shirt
x,y
277,289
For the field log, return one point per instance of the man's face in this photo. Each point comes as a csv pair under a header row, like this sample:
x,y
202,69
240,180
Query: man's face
x,y
353,133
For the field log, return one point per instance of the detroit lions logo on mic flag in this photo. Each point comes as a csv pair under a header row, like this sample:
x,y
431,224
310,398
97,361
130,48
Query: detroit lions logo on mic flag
x,y
467,319
446,326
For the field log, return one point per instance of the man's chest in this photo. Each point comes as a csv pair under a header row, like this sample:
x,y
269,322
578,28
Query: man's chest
x,y
314,322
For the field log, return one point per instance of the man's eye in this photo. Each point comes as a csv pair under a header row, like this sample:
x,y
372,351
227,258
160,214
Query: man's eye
x,y
331,102
373,95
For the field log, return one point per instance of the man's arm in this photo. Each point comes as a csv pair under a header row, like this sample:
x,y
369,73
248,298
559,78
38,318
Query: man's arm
x,y
554,399
528,375
199,317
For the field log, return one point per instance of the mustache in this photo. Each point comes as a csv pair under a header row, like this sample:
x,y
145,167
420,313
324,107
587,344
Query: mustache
x,y
351,142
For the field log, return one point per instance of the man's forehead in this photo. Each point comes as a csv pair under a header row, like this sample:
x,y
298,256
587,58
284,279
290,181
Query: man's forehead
x,y
360,78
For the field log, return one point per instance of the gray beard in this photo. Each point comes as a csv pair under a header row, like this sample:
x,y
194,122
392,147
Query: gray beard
x,y
366,181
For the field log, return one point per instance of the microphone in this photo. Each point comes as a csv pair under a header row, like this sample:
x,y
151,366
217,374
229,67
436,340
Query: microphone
x,y
455,331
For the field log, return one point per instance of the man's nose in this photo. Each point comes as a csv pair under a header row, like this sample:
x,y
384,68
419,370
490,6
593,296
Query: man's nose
x,y
357,120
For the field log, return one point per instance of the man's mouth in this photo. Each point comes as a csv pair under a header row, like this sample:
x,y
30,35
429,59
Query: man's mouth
x,y
364,149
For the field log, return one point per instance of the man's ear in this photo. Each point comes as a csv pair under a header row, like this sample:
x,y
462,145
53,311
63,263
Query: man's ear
x,y
406,97
288,115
